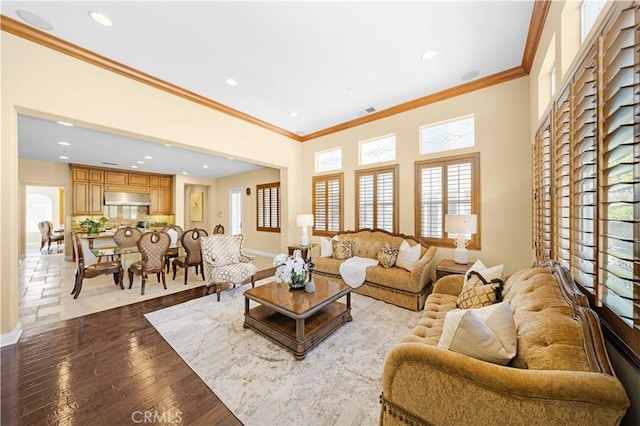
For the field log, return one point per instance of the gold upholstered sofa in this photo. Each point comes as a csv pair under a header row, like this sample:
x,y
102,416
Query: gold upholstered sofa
x,y
560,374
405,283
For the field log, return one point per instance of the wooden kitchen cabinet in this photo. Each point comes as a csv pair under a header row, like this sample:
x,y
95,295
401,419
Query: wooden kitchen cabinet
x,y
87,198
116,178
161,201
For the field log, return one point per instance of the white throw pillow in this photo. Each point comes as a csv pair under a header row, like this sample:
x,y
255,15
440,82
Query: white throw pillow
x,y
487,334
408,256
326,248
487,273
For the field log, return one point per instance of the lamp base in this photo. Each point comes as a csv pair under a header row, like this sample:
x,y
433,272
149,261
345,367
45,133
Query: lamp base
x,y
461,254
304,241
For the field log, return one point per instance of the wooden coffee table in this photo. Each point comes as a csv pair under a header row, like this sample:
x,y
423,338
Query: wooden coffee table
x,y
296,319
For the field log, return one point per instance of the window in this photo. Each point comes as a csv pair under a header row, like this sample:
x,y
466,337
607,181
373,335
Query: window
x,y
328,160
377,198
589,12
268,207
594,207
449,185
327,204
448,135
378,150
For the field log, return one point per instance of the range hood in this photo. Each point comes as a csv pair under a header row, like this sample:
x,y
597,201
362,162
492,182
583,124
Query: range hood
x,y
126,199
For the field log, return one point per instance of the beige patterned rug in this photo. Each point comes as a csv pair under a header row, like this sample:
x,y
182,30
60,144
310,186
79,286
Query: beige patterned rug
x,y
338,383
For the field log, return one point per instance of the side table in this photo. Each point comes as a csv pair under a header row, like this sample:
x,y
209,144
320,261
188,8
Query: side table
x,y
449,267
303,250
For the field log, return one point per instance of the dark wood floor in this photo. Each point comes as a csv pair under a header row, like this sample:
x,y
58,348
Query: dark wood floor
x,y
111,367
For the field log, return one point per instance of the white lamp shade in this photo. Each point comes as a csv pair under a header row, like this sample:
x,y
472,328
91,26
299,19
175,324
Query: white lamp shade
x,y
461,223
304,220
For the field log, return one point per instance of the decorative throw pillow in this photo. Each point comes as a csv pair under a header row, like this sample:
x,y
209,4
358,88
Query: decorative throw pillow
x,y
387,255
408,256
478,292
487,334
341,249
326,248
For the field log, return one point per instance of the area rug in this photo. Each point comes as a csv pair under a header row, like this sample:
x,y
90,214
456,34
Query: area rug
x,y
338,383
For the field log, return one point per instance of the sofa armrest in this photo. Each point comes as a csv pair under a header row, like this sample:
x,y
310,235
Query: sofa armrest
x,y
421,272
449,284
445,387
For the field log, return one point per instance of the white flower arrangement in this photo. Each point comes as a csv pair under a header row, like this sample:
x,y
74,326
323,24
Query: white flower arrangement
x,y
291,269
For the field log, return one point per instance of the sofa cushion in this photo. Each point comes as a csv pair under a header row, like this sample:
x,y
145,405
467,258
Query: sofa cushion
x,y
396,278
328,265
387,255
429,327
408,256
478,291
341,249
488,333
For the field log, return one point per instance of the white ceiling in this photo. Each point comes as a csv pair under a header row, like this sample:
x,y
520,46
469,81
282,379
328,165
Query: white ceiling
x,y
327,61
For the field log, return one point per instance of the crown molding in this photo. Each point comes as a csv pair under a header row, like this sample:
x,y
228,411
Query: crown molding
x,y
538,18
471,86
40,37
536,25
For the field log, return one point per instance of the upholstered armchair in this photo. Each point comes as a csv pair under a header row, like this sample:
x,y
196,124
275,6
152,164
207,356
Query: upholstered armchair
x,y
152,246
224,262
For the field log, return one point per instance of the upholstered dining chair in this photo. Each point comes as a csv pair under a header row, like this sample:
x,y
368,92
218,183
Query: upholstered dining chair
x,y
47,235
218,229
152,246
191,244
127,237
90,271
175,232
224,262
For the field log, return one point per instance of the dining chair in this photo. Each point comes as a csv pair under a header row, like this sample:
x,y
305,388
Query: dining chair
x,y
47,235
218,229
224,262
152,246
127,237
191,244
175,232
90,271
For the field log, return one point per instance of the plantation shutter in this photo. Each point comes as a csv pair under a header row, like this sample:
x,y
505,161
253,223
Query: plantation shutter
x,y
562,170
376,203
542,191
268,207
619,188
431,194
327,204
584,184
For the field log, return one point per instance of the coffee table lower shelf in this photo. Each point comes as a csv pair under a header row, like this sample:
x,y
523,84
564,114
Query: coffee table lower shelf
x,y
297,335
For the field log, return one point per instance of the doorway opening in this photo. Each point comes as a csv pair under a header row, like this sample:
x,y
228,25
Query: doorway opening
x,y
42,203
235,211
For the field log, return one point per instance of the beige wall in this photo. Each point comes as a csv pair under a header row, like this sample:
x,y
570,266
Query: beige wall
x,y
32,172
502,138
263,242
41,82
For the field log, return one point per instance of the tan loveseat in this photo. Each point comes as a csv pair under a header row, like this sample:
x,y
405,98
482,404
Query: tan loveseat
x,y
561,373
393,285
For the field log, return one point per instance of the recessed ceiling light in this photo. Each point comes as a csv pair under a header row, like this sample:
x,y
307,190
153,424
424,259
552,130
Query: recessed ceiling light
x,y
185,173
470,75
100,18
140,162
134,167
64,123
293,114
167,144
33,19
429,55
231,82
148,157
64,143
229,158
205,166
63,157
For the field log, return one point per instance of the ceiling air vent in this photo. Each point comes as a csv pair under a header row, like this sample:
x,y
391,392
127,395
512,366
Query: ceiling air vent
x,y
370,110
106,163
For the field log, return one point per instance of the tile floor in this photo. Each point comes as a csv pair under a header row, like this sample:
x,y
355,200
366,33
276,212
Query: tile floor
x,y
46,281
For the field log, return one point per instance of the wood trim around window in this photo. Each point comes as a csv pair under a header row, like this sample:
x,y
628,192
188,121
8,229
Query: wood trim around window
x,y
259,192
394,170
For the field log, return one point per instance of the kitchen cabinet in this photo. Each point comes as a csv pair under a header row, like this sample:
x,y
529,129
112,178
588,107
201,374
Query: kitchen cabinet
x,y
161,201
87,198
116,178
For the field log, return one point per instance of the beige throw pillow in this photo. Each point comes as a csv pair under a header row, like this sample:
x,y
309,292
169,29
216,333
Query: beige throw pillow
x,y
408,256
341,249
477,292
387,256
326,248
487,334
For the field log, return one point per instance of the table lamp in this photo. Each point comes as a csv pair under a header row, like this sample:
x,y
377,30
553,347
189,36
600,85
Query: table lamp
x,y
304,220
463,225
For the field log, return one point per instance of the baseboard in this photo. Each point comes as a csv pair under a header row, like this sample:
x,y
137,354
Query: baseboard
x,y
258,252
12,337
